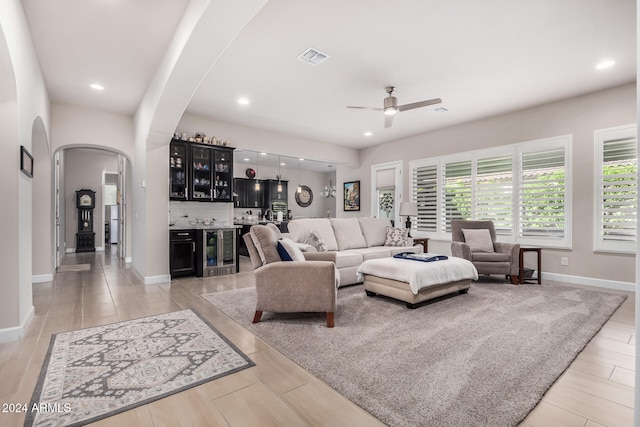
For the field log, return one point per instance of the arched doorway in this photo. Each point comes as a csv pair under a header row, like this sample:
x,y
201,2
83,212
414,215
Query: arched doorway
x,y
84,167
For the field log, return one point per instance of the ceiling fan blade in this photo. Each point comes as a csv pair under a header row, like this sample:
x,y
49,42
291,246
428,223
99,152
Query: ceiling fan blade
x,y
406,107
363,108
388,121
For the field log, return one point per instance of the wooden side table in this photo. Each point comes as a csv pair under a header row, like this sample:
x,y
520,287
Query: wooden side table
x,y
521,272
424,241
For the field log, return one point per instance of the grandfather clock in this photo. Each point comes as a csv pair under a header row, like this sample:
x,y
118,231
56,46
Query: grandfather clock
x,y
85,237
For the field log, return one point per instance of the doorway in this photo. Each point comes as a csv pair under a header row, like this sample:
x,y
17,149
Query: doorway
x,y
386,190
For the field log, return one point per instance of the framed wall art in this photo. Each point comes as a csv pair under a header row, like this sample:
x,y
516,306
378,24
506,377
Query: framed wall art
x,y
352,196
26,162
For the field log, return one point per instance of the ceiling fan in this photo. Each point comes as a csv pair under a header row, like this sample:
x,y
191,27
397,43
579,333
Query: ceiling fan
x,y
391,107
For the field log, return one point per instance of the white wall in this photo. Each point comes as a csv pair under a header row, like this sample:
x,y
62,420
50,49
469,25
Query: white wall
x,y
84,127
23,99
578,116
271,142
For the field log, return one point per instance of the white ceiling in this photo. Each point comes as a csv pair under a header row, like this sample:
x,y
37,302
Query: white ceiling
x,y
482,58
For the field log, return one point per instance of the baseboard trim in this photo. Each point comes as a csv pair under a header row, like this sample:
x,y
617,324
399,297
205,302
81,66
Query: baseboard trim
x,y
16,333
590,281
40,278
154,280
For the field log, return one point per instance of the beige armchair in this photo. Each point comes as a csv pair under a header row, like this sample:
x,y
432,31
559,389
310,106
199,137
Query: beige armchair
x,y
495,258
291,286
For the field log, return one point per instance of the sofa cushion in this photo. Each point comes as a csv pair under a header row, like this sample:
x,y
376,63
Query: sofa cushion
x,y
396,237
348,234
289,250
348,259
478,239
265,241
374,230
373,253
300,228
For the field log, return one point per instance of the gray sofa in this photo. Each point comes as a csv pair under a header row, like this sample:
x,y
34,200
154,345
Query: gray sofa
x,y
353,240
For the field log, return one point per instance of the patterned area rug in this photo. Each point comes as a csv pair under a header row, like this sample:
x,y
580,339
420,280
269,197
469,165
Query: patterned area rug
x,y
73,267
94,373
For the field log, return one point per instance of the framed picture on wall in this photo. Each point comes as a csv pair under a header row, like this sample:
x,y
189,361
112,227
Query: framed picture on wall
x,y
26,162
352,196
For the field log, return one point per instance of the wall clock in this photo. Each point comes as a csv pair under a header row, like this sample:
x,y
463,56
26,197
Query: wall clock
x,y
304,197
250,173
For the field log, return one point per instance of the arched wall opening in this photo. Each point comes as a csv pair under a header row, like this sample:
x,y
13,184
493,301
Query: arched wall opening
x,y
42,247
79,167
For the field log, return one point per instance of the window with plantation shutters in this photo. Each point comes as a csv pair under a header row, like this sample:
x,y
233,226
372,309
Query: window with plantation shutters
x,y
523,188
457,193
542,194
425,194
494,192
616,189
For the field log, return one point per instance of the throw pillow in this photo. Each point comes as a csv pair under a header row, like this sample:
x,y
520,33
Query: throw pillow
x,y
265,242
314,239
396,237
479,240
289,251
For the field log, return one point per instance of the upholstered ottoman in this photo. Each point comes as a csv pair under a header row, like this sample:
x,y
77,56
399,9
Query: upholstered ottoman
x,y
415,281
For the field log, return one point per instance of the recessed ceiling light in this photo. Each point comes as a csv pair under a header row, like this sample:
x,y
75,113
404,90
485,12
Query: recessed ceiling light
x,y
246,159
605,64
301,159
243,101
263,154
368,133
283,164
96,86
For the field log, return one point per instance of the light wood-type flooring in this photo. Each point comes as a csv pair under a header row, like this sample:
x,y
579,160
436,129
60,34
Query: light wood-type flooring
x,y
597,390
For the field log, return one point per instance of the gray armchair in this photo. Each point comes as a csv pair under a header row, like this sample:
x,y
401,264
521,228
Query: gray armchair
x,y
292,286
505,258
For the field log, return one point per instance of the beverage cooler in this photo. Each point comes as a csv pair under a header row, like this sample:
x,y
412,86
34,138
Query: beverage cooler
x,y
217,252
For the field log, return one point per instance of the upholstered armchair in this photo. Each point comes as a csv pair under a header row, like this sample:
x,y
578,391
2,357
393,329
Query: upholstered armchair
x,y
308,284
480,247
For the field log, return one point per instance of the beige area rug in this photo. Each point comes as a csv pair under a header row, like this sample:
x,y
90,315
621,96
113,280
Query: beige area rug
x,y
481,359
73,267
94,373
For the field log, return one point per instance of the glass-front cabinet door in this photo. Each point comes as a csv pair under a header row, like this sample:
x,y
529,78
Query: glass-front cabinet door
x,y
227,247
202,174
178,169
223,176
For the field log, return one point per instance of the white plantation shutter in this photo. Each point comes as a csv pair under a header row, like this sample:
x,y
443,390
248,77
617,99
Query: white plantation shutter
x,y
457,192
617,190
425,193
494,192
523,188
542,194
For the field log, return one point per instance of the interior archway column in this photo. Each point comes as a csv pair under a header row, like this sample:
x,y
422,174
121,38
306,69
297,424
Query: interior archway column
x,y
205,31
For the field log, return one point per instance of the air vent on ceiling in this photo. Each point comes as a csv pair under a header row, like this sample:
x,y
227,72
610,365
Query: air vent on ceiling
x,y
441,109
312,56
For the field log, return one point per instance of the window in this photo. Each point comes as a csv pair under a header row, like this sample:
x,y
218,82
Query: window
x,y
523,188
616,189
543,196
494,192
